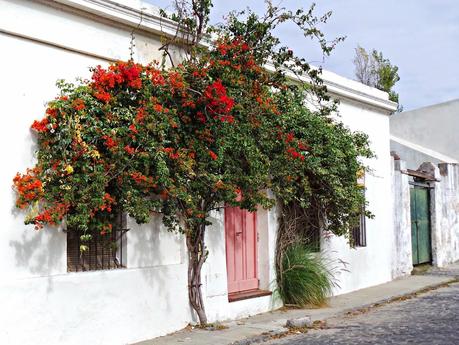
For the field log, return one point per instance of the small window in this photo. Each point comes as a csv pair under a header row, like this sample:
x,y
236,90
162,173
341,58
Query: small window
x,y
102,252
313,238
359,232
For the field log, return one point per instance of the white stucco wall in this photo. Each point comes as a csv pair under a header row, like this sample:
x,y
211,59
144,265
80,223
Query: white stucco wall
x,y
42,303
402,256
370,265
444,214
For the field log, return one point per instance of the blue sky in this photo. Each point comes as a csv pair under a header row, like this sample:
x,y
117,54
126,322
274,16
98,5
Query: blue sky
x,y
421,37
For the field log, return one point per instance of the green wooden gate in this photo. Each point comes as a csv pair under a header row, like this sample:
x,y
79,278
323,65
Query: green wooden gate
x,y
420,225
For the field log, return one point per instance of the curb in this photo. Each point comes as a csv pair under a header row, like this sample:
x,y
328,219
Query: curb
x,y
266,336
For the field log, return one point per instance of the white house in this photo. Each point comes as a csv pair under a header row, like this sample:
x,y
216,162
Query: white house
x,y
42,302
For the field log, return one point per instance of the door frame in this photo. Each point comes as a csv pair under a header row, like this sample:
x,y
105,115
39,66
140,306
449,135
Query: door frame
x,y
427,187
255,253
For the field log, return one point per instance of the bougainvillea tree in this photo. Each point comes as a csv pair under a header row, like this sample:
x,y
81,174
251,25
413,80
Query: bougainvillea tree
x,y
217,128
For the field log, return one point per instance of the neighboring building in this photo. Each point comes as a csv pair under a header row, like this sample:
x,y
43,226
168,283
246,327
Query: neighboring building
x,y
44,302
427,134
425,145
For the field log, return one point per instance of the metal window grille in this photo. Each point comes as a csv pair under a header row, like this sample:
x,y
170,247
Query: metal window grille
x,y
313,238
103,251
359,232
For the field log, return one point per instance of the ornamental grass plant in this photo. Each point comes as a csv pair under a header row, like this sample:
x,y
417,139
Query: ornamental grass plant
x,y
305,277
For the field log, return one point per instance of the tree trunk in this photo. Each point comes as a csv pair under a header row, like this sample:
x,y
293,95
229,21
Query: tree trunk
x,y
197,255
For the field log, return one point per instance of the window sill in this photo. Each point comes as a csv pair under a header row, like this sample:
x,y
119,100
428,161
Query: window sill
x,y
239,296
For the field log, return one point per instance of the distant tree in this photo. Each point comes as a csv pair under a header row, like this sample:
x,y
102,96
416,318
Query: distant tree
x,y
372,69
364,67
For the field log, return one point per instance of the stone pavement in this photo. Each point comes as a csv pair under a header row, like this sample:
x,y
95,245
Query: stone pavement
x,y
260,327
451,270
429,319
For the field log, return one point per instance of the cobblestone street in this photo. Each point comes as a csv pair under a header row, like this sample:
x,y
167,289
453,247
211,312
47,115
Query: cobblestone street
x,y
431,318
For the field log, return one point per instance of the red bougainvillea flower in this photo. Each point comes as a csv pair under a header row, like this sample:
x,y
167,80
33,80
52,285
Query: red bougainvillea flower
x,y
104,79
227,118
109,141
140,115
295,154
133,129
127,73
176,81
173,154
156,76
52,111
108,202
51,215
40,126
129,149
28,186
131,73
213,155
78,104
290,136
103,96
217,100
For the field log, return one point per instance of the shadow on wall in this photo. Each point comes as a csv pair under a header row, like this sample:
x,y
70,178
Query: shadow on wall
x,y
214,270
152,245
160,254
37,252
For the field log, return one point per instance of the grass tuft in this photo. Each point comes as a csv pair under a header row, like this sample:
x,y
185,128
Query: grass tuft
x,y
305,279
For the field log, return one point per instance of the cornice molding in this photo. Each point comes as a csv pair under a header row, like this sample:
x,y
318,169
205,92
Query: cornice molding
x,y
146,17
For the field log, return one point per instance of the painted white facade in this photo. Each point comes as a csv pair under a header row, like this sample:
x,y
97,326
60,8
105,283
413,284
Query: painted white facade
x,y
370,265
41,303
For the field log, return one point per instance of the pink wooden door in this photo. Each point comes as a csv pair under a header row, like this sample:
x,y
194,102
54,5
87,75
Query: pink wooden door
x,y
241,249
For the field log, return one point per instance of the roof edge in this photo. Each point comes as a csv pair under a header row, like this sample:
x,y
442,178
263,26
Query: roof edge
x,y
424,150
136,13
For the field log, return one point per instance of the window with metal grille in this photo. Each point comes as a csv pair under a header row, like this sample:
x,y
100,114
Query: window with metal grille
x,y
359,232
102,252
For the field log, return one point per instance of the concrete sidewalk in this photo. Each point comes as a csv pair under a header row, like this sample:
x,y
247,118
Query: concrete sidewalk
x,y
259,327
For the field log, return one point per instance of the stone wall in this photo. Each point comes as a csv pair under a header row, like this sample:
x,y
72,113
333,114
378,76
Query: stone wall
x,y
402,261
444,219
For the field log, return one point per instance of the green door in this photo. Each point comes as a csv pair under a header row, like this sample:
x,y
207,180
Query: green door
x,y
420,225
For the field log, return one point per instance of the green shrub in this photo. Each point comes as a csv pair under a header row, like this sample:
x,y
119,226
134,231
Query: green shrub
x,y
304,279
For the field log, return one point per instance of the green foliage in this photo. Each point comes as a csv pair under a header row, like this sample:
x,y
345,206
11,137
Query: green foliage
x,y
304,278
387,75
374,70
182,141
326,179
232,118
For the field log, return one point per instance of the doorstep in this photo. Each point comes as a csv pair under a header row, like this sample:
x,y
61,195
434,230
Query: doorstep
x,y
239,296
